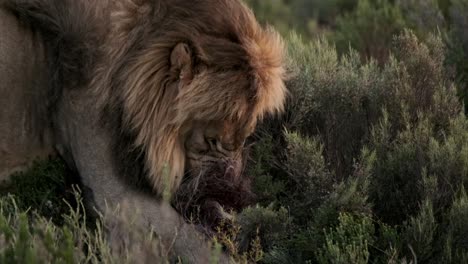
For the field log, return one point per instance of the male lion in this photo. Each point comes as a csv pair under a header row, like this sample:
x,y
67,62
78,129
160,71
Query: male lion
x,y
135,94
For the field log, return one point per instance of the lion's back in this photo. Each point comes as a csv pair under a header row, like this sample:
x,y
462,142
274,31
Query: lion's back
x,y
22,83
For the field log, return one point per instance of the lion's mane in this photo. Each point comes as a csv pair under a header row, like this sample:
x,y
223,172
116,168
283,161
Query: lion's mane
x,y
225,35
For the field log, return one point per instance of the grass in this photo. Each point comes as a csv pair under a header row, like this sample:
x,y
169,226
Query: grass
x,y
43,188
43,220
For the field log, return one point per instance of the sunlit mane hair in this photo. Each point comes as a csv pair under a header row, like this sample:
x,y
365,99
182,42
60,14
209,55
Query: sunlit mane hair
x,y
238,67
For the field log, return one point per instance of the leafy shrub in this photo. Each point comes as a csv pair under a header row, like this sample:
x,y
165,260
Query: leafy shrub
x,y
456,231
425,16
277,13
369,28
458,45
349,241
364,154
310,18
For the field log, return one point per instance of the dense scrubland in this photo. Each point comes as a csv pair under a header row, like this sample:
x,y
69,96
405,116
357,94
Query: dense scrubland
x,y
368,164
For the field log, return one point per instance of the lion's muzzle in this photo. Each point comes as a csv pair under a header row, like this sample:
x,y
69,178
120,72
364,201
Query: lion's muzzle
x,y
210,194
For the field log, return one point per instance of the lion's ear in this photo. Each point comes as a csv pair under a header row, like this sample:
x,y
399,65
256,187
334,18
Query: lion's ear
x,y
181,62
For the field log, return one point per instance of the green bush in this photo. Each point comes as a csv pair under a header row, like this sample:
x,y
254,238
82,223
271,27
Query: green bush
x,y
369,28
277,13
425,16
363,155
349,241
458,45
456,231
308,17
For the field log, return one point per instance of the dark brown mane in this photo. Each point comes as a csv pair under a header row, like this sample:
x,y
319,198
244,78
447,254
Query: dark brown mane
x,y
243,72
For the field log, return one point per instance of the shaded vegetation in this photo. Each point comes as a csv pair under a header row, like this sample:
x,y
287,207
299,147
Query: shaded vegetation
x,y
368,26
43,187
369,160
28,237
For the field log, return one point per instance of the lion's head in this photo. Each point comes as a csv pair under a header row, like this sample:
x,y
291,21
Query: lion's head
x,y
191,80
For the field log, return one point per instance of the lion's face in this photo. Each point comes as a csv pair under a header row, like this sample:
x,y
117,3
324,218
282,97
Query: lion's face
x,y
215,142
218,113
214,182
215,110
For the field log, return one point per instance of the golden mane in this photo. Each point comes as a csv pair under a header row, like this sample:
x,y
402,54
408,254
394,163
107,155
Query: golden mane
x,y
242,80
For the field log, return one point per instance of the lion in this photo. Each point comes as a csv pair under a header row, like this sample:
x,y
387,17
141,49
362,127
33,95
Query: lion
x,y
138,97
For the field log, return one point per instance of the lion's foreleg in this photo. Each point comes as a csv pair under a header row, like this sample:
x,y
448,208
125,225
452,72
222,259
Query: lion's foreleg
x,y
87,147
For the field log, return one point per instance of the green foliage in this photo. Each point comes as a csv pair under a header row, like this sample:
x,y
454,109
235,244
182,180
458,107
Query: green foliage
x,y
310,18
458,45
363,28
309,181
456,231
368,152
368,26
275,12
265,187
329,95
422,15
264,222
42,187
349,241
420,232
27,237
